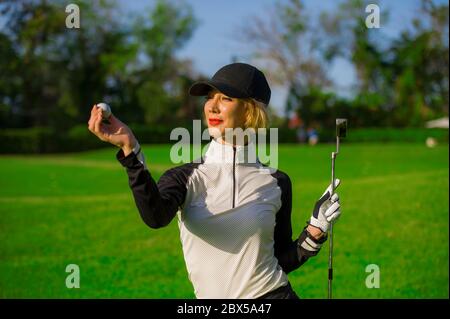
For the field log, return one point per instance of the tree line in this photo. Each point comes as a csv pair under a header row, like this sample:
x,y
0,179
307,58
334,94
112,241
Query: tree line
x,y
50,75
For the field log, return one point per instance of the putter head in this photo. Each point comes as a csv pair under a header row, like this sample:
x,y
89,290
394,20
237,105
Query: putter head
x,y
341,127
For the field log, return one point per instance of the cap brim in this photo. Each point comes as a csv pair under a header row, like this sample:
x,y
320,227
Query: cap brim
x,y
202,88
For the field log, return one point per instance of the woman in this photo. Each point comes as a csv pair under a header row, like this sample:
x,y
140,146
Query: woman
x,y
234,219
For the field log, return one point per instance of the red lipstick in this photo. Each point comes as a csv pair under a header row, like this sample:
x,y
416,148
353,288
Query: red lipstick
x,y
215,122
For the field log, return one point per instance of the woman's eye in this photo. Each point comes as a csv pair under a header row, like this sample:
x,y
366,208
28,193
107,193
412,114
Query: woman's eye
x,y
229,99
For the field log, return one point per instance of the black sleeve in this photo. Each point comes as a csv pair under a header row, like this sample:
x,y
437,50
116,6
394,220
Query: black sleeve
x,y
291,254
159,202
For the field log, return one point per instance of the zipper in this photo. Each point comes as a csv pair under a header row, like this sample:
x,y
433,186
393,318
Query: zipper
x,y
234,175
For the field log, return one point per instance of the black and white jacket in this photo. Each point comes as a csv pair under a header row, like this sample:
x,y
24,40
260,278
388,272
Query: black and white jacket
x,y
234,216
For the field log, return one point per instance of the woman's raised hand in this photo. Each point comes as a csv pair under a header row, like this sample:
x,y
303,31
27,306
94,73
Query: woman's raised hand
x,y
116,132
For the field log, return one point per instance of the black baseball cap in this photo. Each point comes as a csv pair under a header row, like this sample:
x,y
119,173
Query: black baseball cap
x,y
238,80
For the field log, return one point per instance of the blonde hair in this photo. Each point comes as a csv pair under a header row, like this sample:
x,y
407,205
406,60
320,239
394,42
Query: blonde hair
x,y
256,114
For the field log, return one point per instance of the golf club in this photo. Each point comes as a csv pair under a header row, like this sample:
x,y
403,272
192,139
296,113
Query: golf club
x,y
341,131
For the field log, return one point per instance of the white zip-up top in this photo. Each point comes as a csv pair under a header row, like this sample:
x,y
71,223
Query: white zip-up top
x,y
234,217
227,224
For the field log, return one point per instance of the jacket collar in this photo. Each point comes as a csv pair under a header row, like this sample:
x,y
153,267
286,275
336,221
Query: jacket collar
x,y
225,153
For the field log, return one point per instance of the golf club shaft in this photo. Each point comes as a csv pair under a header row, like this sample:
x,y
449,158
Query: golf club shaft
x,y
330,233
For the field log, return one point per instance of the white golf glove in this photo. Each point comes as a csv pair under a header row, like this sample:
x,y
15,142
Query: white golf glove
x,y
326,210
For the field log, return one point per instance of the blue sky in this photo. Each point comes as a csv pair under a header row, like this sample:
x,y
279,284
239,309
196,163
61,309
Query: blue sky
x,y
213,44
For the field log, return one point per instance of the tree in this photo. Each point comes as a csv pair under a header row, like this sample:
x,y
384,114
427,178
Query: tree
x,y
284,41
404,78
60,69
162,87
52,75
420,67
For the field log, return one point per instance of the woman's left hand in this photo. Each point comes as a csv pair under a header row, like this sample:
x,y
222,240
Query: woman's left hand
x,y
326,210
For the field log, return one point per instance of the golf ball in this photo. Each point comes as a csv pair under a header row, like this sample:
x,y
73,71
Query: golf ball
x,y
431,142
106,110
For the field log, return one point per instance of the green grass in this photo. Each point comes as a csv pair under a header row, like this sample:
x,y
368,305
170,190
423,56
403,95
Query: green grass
x,y
77,208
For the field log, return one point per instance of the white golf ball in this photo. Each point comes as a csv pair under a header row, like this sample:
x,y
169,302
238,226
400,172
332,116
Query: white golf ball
x,y
106,110
431,142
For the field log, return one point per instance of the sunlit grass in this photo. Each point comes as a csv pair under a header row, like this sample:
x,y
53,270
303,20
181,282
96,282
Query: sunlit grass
x,y
77,208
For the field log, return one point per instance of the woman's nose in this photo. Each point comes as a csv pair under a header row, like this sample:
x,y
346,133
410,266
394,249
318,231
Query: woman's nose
x,y
214,106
